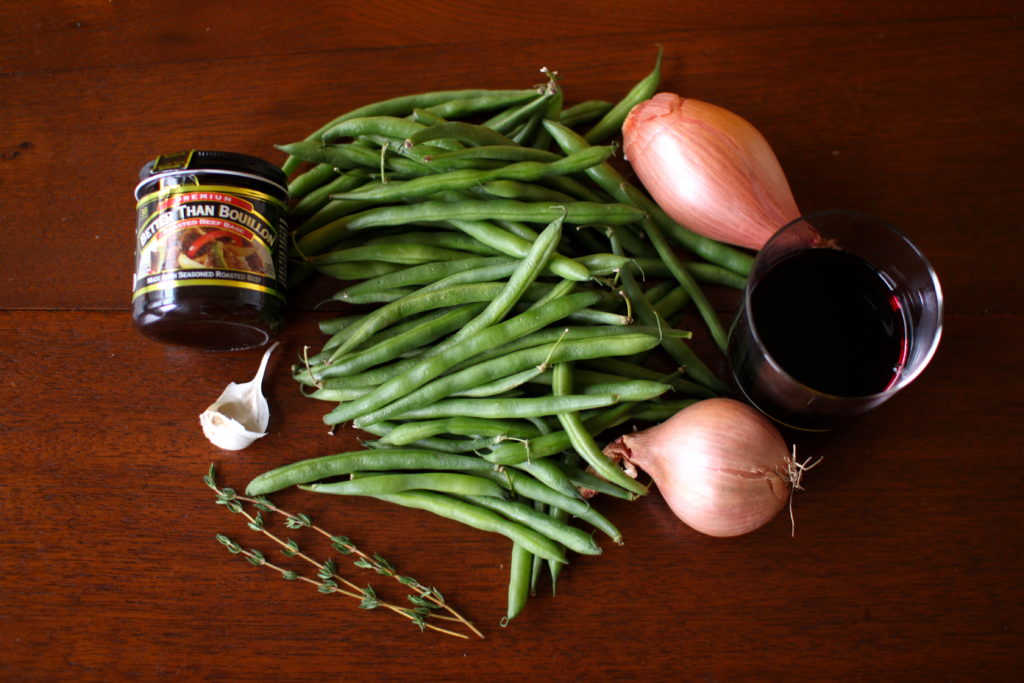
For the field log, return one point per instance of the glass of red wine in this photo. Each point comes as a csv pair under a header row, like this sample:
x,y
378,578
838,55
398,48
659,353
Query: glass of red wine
x,y
840,312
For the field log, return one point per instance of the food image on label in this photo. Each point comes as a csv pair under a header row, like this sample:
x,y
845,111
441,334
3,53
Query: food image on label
x,y
198,236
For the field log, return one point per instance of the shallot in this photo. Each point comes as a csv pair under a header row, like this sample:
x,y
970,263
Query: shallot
x,y
721,466
709,169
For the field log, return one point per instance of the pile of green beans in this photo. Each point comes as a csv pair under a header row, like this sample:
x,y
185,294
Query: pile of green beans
x,y
508,296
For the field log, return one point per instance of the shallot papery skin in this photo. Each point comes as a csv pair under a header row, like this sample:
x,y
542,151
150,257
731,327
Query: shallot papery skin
x,y
720,465
709,169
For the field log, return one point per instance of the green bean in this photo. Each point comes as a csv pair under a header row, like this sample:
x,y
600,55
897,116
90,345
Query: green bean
x,y
338,394
547,472
520,567
455,483
630,390
511,153
402,106
388,126
627,369
439,275
611,123
506,121
330,212
565,345
692,365
332,325
508,408
357,271
315,177
515,189
316,199
410,305
501,385
528,487
432,367
446,239
525,274
470,210
671,303
339,464
448,446
479,518
380,296
403,254
513,245
583,442
584,112
465,179
424,332
461,131
407,432
468,106
571,537
587,480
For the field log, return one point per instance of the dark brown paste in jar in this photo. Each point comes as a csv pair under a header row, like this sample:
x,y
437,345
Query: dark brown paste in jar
x,y
211,250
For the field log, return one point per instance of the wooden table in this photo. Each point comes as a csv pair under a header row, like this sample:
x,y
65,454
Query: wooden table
x,y
906,560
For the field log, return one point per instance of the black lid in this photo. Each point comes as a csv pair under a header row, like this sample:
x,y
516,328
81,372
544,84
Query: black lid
x,y
205,159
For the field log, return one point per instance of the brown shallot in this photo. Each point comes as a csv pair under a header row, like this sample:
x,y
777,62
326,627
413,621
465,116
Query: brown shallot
x,y
721,466
709,169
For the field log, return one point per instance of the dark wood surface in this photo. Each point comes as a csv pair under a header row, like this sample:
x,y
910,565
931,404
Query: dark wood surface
x,y
907,557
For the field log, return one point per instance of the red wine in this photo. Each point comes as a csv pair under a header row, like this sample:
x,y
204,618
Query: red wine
x,y
831,321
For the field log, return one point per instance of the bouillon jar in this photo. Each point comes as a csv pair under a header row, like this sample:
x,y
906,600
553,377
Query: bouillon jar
x,y
210,250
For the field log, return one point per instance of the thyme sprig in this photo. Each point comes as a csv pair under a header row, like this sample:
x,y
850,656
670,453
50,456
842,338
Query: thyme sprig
x,y
427,602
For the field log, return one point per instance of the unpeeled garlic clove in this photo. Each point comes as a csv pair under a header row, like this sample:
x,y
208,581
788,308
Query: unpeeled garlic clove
x,y
241,414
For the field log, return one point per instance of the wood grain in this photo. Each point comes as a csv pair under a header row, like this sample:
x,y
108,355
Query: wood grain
x,y
905,563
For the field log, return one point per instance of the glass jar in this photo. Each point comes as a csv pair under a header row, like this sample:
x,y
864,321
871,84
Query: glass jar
x,y
211,250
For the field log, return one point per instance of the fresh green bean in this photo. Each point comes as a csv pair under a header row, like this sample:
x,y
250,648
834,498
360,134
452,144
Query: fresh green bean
x,y
502,384
511,153
432,367
339,464
547,472
357,271
423,332
630,390
513,245
388,126
461,131
479,518
611,123
433,273
312,179
454,483
332,325
402,254
470,210
508,408
460,180
692,365
520,570
515,189
571,537
469,106
584,112
587,480
582,440
407,432
565,345
444,238
316,199
506,121
410,305
404,105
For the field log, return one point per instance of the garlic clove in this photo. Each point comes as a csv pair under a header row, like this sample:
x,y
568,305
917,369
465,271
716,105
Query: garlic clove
x,y
241,414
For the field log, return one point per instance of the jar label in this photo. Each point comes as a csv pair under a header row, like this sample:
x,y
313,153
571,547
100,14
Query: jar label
x,y
210,235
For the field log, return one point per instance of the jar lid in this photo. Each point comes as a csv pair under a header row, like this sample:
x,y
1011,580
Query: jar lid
x,y
210,160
